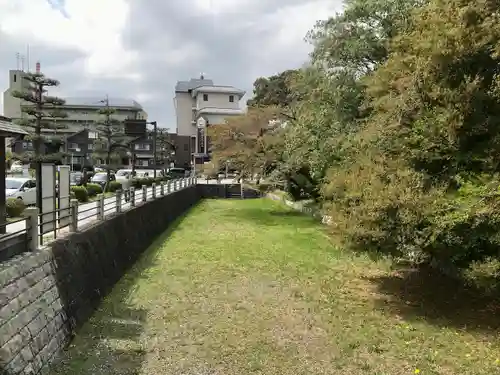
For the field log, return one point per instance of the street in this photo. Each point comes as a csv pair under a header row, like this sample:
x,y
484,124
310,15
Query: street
x,y
87,212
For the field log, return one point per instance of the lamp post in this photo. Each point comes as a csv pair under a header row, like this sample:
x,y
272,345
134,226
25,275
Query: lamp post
x,y
155,130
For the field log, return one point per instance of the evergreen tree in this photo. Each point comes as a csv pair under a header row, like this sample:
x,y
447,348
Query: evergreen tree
x,y
112,143
42,111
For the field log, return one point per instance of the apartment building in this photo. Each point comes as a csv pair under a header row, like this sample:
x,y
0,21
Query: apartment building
x,y
78,129
199,103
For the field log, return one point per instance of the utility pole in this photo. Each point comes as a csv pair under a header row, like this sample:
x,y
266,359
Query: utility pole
x,y
155,131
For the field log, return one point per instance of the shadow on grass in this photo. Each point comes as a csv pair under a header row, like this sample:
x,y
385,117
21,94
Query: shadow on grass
x,y
427,294
109,342
269,214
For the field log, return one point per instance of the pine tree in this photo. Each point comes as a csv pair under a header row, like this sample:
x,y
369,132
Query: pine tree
x,y
42,111
112,143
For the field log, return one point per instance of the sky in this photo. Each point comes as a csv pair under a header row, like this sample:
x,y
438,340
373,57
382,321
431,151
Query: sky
x,y
139,49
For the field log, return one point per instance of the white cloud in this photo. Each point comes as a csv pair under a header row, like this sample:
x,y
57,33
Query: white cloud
x,y
138,49
89,29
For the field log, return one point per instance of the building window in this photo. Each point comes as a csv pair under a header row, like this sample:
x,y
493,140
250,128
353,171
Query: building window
x,y
93,135
205,97
90,146
231,98
27,144
142,163
142,147
15,78
73,146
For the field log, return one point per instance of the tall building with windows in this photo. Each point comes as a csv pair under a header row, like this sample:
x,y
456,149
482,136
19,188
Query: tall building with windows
x,y
199,103
79,127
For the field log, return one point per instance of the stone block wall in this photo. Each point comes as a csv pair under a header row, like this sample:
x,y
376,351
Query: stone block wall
x,y
47,295
32,320
225,191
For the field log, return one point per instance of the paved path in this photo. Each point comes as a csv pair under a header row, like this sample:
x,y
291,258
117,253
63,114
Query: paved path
x,y
87,212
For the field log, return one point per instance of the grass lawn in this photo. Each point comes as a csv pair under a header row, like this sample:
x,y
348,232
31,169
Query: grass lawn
x,y
249,287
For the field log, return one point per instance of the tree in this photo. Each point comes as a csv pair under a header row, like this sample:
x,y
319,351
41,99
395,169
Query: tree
x,y
358,39
251,141
112,143
274,90
42,111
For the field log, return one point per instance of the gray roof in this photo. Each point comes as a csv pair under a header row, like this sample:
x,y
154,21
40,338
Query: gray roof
x,y
186,86
99,102
11,128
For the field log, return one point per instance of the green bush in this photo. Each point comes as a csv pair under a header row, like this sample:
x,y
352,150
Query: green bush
x,y
136,183
148,181
80,193
114,186
14,207
93,189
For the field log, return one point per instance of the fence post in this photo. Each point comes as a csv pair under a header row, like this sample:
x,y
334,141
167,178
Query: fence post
x,y
153,187
31,214
169,186
162,188
132,197
100,207
73,223
118,201
144,193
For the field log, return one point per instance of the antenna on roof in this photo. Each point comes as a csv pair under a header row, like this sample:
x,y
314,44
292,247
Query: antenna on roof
x,y
28,57
202,75
18,58
22,63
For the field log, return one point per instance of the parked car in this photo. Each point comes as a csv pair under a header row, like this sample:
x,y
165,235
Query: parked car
x,y
75,178
176,172
16,167
21,188
101,178
122,174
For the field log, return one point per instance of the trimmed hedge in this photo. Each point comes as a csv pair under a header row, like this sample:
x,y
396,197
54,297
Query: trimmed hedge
x,y
93,189
14,207
113,186
80,193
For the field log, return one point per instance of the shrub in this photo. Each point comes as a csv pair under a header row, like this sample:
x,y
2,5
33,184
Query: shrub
x,y
136,183
114,186
148,181
14,207
80,193
93,189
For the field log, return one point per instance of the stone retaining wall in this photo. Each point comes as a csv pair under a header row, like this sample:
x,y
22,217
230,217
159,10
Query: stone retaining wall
x,y
32,328
46,295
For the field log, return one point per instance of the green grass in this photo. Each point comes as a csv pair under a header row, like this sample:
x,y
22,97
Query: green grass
x,y
249,287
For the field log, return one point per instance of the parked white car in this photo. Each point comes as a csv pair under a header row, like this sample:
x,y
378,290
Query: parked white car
x,y
121,174
16,167
21,188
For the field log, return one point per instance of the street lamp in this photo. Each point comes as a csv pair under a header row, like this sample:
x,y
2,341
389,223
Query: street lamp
x,y
201,123
155,129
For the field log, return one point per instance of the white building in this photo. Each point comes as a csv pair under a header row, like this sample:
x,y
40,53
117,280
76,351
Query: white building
x,y
198,104
82,112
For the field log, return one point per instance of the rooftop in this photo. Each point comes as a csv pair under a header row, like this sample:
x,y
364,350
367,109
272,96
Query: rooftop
x,y
186,86
9,128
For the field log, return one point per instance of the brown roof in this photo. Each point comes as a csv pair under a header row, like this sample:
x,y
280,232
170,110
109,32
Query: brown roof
x,y
8,128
